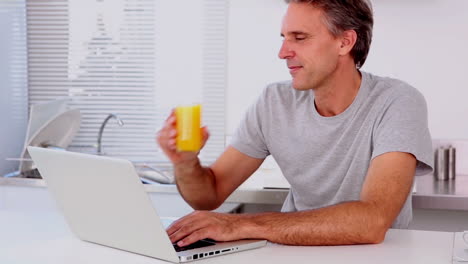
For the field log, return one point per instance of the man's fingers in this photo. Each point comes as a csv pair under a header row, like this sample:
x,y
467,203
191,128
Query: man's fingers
x,y
193,217
172,133
186,226
171,115
166,137
171,144
193,237
176,225
187,230
205,135
200,225
171,120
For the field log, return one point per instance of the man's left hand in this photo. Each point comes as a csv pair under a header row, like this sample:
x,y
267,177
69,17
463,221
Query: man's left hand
x,y
204,224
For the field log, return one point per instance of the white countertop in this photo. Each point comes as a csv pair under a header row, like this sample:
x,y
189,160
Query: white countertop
x,y
36,237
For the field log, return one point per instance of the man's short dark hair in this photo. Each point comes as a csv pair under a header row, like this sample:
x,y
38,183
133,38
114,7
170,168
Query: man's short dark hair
x,y
342,15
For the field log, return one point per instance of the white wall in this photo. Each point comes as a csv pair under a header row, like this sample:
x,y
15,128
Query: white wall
x,y
421,42
254,41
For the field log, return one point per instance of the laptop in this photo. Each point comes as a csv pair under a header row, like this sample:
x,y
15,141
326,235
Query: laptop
x,y
104,202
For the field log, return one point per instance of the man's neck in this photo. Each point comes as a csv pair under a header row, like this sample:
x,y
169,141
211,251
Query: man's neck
x,y
338,93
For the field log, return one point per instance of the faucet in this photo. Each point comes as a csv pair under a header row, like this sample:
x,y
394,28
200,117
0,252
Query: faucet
x,y
101,130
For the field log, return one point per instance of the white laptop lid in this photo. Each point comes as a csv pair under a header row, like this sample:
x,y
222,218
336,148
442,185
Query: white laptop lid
x,y
99,208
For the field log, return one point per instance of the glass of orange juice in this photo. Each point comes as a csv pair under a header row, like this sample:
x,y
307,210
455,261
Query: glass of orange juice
x,y
188,124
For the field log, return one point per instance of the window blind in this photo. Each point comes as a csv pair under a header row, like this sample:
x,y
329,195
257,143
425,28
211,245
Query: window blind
x,y
13,82
119,56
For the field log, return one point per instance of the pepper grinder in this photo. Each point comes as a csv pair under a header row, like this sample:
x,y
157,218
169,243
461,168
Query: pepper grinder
x,y
445,163
440,164
451,163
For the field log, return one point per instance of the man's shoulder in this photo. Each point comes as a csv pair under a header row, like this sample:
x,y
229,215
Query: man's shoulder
x,y
392,88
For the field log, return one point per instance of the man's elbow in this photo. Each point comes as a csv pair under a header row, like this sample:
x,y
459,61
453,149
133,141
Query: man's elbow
x,y
376,237
204,205
377,231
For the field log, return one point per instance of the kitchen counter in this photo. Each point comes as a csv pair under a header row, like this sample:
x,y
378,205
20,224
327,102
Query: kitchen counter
x,y
47,239
448,195
430,194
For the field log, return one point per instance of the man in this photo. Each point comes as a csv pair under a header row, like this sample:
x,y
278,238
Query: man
x,y
348,142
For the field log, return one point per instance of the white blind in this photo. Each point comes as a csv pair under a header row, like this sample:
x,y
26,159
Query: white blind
x,y
13,82
120,56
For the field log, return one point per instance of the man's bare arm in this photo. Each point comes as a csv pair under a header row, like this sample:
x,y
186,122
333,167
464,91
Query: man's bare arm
x,y
384,193
206,188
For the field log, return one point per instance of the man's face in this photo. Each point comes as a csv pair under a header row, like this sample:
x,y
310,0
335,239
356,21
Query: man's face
x,y
310,50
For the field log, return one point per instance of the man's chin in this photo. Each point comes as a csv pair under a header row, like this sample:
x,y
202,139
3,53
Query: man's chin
x,y
300,86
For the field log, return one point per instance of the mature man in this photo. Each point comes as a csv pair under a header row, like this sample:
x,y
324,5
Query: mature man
x,y
348,142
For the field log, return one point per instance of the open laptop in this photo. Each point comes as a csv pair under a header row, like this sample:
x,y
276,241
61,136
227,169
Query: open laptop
x,y
104,202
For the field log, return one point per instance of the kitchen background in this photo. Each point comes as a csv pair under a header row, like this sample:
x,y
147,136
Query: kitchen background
x,y
421,42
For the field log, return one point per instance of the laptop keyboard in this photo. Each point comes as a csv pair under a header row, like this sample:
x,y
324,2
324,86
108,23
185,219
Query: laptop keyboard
x,y
198,244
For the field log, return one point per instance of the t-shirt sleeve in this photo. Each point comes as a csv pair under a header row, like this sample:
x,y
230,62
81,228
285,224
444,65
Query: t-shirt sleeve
x,y
403,127
248,137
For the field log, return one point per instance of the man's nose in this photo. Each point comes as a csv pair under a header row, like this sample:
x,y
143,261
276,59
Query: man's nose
x,y
285,51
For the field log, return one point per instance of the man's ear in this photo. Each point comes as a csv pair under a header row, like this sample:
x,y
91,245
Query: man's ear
x,y
348,40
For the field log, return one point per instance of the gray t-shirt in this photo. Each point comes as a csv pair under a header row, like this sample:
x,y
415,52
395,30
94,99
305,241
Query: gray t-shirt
x,y
325,159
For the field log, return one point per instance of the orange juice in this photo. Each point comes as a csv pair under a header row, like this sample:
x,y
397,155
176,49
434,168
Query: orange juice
x,y
188,122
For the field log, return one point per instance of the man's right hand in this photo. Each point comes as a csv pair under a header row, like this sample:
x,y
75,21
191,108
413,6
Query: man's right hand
x,y
166,138
189,175
205,188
